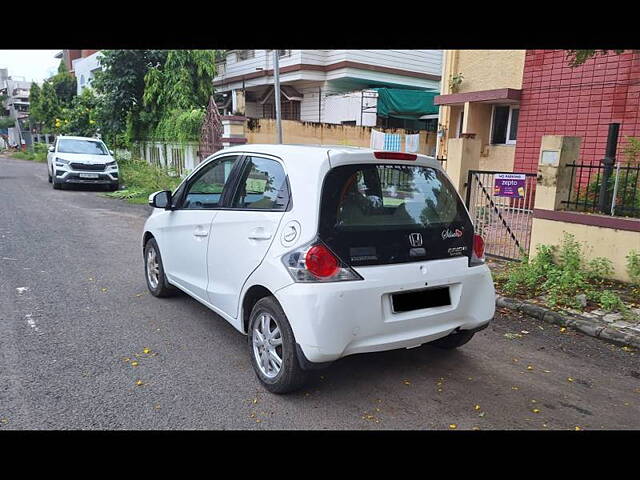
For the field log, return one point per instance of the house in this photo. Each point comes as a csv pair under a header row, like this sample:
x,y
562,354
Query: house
x,y
82,64
509,99
480,96
15,106
328,86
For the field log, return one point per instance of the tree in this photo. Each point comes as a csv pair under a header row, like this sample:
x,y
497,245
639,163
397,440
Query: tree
x,y
176,94
578,57
64,84
79,118
49,107
35,106
120,87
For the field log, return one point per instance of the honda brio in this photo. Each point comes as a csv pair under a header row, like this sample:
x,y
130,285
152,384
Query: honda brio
x,y
319,252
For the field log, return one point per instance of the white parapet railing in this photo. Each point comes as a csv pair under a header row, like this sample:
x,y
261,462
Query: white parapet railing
x,y
180,158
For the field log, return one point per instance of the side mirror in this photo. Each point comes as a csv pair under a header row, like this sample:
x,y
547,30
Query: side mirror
x,y
160,199
111,152
51,149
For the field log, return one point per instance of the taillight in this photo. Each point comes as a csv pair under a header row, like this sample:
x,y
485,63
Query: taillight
x,y
315,262
321,262
477,255
394,156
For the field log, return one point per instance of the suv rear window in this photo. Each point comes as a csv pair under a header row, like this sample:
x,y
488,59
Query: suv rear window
x,y
376,214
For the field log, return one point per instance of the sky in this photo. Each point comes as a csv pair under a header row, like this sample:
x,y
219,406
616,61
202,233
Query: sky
x,y
33,65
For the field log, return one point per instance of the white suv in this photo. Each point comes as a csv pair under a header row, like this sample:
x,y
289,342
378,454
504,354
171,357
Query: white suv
x,y
81,160
320,252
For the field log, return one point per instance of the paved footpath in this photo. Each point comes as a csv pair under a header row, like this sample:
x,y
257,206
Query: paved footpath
x,y
74,306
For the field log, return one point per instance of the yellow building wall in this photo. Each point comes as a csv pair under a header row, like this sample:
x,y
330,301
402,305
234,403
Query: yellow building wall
x,y
498,157
481,70
263,130
597,241
488,69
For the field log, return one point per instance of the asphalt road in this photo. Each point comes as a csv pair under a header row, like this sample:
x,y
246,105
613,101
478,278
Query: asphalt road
x,y
74,306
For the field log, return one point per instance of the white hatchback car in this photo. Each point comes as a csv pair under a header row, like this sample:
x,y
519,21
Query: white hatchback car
x,y
81,161
318,252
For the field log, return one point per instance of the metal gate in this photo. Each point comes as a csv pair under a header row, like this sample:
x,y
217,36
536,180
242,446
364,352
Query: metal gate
x,y
211,132
502,211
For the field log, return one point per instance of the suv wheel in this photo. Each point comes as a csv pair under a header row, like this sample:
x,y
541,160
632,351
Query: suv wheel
x,y
453,340
154,271
273,348
56,185
49,175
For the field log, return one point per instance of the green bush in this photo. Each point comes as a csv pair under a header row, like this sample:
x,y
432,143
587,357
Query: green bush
x,y
633,266
37,153
141,178
560,274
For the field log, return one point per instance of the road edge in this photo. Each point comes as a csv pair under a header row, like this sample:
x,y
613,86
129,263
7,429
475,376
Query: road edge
x,y
578,322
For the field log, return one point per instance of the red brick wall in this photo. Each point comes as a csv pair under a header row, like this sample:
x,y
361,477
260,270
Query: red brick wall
x,y
559,100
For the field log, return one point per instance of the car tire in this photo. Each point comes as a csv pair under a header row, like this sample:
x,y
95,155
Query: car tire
x,y
49,175
56,185
156,281
453,340
268,313
113,187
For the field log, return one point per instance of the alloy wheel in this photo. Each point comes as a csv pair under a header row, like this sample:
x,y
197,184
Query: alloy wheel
x,y
153,269
267,345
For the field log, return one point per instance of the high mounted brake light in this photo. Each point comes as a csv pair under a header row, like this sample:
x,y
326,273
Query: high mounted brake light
x,y
394,156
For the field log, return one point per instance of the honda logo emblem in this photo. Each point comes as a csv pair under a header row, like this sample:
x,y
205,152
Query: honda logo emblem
x,y
415,239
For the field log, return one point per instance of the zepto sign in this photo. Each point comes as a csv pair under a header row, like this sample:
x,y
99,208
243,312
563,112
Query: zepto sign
x,y
509,185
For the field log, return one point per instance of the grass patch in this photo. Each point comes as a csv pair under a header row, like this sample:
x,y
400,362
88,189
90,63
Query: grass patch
x,y
38,153
560,274
140,179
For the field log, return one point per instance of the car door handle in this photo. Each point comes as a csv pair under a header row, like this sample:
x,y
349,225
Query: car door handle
x,y
259,234
200,232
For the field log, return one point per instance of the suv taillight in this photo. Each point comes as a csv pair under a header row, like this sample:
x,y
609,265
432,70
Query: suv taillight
x,y
477,253
314,262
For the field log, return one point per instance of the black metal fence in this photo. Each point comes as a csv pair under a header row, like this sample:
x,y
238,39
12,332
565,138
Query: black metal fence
x,y
618,195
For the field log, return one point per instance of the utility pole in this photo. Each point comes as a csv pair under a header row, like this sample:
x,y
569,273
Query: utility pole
x,y
276,77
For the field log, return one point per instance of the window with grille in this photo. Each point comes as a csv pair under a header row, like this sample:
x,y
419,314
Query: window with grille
x,y
289,110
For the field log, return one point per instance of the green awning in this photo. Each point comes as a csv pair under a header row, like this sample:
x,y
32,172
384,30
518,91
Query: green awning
x,y
406,104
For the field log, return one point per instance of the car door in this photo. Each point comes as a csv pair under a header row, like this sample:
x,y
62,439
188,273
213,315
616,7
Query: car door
x,y
185,232
241,234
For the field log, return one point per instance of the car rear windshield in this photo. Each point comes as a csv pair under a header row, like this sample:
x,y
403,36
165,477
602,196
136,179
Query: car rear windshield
x,y
81,146
373,214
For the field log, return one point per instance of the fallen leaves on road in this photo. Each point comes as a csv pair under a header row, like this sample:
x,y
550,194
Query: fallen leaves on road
x,y
569,379
563,329
529,367
103,289
536,410
511,336
134,364
577,429
146,350
453,426
21,290
627,349
476,407
139,383
406,382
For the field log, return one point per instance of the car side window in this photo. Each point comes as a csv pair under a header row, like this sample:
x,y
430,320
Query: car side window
x,y
262,186
205,189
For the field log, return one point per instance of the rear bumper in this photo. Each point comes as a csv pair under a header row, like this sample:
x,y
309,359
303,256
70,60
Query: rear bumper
x,y
333,320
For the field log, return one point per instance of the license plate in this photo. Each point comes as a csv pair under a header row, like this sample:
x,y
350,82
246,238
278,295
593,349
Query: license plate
x,y
419,299
89,175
